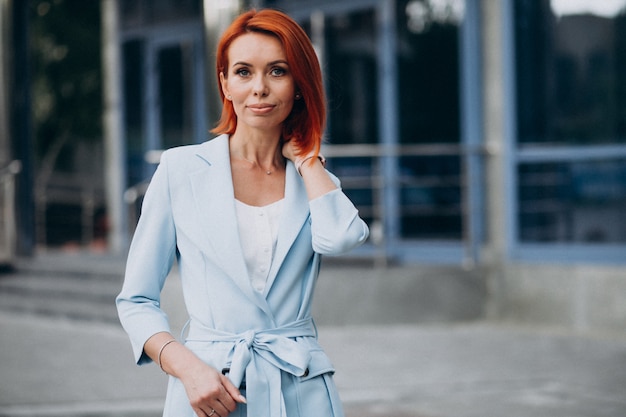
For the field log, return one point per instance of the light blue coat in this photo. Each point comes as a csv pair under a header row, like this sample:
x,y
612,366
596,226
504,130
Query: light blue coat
x,y
266,339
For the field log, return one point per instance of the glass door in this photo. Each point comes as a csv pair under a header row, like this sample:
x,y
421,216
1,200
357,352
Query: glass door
x,y
164,102
401,127
174,73
174,114
569,139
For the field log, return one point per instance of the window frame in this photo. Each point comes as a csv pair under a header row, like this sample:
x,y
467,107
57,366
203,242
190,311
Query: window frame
x,y
466,250
516,154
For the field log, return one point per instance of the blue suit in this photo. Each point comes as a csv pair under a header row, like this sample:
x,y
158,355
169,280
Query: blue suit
x,y
266,339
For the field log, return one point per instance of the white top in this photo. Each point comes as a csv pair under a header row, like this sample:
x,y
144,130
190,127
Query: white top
x,y
258,232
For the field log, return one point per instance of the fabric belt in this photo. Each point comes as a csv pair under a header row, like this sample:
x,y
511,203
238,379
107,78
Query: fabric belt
x,y
259,356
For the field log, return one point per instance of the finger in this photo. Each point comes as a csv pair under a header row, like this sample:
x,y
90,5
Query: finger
x,y
204,411
223,410
232,390
209,411
220,411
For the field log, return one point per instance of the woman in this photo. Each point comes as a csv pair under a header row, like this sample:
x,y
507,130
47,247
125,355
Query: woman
x,y
247,216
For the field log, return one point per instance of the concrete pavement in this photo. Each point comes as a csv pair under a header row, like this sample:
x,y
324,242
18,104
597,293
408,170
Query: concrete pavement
x,y
55,366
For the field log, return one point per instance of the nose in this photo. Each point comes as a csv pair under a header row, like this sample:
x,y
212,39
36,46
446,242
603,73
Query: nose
x,y
260,86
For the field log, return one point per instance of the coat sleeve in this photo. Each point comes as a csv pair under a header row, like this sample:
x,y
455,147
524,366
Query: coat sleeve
x,y
150,260
335,223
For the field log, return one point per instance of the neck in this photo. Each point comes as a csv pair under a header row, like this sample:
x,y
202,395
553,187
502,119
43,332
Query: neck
x,y
260,152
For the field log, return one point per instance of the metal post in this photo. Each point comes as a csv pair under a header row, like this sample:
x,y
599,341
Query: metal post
x,y
499,109
217,16
20,124
388,121
7,213
114,147
472,132
5,134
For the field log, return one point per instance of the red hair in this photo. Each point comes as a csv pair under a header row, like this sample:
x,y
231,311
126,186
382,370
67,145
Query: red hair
x,y
305,124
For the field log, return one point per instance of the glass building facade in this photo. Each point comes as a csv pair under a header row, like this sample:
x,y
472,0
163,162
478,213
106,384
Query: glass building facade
x,y
570,66
405,81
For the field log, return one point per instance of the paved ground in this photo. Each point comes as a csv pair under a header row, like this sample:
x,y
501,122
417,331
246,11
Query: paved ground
x,y
54,366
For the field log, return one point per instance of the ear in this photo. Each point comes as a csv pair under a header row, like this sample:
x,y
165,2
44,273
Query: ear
x,y
224,84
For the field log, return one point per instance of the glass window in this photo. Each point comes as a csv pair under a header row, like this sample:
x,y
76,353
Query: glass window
x,y
576,202
428,179
431,197
351,83
133,52
174,66
428,81
571,121
137,13
571,71
428,70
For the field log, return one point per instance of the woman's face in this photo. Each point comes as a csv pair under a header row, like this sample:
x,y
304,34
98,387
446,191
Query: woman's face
x,y
258,82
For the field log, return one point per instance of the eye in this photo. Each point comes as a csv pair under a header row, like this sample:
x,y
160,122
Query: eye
x,y
242,72
278,71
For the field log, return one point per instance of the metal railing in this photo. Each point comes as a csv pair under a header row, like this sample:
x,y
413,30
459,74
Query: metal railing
x,y
68,191
8,232
375,181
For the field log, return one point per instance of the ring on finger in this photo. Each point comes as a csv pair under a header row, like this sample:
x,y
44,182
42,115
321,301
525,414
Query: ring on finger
x,y
212,412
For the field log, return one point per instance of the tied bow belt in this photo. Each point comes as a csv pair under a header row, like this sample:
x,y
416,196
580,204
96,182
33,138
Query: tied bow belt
x,y
260,355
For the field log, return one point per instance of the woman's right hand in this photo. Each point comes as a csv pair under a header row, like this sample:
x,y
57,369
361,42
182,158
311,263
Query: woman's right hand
x,y
210,393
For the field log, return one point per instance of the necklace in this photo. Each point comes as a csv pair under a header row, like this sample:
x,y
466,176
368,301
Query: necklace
x,y
267,171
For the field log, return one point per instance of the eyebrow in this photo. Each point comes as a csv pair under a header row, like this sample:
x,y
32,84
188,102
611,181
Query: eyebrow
x,y
278,61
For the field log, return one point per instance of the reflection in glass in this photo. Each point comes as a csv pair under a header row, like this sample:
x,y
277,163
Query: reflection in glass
x,y
431,197
571,71
352,84
429,187
175,95
429,73
134,107
575,202
428,66
138,13
571,91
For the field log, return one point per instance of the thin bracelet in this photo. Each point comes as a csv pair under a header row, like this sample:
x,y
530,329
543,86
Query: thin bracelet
x,y
302,161
161,351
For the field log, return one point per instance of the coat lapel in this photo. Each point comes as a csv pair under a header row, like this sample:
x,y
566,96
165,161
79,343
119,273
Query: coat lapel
x,y
214,200
295,214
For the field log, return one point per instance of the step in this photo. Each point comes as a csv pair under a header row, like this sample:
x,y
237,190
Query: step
x,y
95,289
73,309
60,296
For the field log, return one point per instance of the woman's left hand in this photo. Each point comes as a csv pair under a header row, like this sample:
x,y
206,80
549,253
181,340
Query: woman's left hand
x,y
316,179
290,150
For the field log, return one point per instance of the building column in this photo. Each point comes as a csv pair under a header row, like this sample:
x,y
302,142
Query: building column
x,y
494,15
217,17
114,145
5,42
16,138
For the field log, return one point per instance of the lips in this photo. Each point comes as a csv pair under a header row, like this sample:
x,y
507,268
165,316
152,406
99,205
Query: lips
x,y
260,108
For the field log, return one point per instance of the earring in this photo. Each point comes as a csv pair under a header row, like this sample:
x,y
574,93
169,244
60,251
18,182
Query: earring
x,y
229,97
298,96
